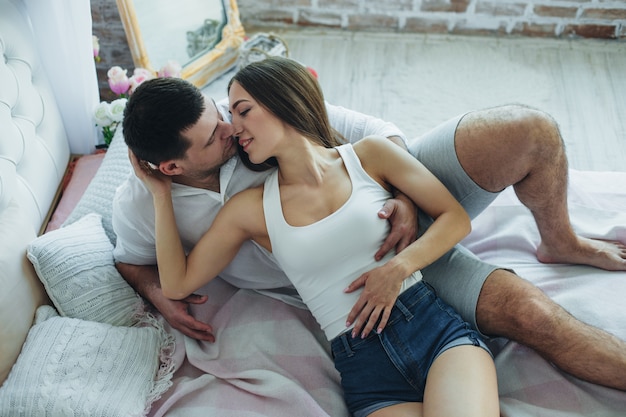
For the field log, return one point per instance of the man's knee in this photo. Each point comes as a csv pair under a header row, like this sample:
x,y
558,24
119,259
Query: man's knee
x,y
526,122
539,126
520,139
509,306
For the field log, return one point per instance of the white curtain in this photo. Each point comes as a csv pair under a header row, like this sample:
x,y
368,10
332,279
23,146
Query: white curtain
x,y
63,32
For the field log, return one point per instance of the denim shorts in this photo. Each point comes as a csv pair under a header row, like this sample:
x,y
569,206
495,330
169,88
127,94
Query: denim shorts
x,y
391,367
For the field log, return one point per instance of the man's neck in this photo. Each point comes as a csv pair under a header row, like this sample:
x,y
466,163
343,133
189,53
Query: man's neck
x,y
211,183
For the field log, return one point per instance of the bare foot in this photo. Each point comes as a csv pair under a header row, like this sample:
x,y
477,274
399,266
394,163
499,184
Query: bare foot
x,y
603,254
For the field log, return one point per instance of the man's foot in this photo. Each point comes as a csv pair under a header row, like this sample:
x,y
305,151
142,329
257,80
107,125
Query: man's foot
x,y
601,254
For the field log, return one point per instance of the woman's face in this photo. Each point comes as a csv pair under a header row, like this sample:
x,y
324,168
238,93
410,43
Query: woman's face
x,y
259,131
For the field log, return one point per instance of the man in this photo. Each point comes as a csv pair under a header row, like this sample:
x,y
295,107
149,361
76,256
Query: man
x,y
169,124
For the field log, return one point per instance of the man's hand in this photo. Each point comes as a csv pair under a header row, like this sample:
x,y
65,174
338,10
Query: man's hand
x,y
402,215
176,312
145,280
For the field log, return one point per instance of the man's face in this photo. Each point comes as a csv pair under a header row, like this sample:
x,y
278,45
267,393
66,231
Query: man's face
x,y
211,144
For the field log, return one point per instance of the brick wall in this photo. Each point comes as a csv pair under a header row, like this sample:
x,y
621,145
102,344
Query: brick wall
x,y
546,18
107,26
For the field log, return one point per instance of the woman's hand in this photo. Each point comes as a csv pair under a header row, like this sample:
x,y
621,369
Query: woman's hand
x,y
157,182
373,308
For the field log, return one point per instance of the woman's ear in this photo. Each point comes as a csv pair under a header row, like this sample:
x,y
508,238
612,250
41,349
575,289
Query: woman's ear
x,y
170,168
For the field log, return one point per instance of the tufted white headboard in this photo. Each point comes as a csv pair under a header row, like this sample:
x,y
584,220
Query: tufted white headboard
x,y
34,150
34,153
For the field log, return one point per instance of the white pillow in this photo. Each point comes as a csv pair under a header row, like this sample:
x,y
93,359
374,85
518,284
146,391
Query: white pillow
x,y
98,197
75,264
71,367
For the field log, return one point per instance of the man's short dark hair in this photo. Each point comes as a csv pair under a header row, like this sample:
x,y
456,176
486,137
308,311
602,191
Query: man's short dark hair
x,y
157,114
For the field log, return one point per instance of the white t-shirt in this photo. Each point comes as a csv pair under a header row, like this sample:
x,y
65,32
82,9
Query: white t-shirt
x,y
195,209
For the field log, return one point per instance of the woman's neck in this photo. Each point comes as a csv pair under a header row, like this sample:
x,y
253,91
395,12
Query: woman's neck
x,y
304,163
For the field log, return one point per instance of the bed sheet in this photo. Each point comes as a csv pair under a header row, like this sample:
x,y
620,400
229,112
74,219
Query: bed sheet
x,y
505,234
271,359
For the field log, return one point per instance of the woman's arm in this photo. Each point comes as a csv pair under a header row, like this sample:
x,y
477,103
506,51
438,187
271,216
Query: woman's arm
x,y
406,174
181,275
396,168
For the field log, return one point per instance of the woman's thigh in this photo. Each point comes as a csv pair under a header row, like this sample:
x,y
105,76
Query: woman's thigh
x,y
462,382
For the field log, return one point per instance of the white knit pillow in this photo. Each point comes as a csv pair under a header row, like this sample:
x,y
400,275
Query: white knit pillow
x,y
75,264
98,196
71,367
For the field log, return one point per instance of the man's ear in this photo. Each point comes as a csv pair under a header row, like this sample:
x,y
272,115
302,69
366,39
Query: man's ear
x,y
170,167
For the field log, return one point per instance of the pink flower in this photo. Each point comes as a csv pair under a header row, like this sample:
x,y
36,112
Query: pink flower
x,y
170,69
96,47
142,72
118,80
139,76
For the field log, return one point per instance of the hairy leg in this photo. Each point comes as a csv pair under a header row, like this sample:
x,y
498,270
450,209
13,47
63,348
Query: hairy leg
x,y
462,382
522,147
511,307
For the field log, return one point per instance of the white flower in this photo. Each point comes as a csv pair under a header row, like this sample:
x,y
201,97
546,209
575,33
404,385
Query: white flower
x,y
116,109
95,42
102,114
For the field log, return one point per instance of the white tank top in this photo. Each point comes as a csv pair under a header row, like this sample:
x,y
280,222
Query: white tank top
x,y
323,258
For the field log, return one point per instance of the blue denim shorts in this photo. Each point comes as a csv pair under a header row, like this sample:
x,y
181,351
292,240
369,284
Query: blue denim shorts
x,y
391,367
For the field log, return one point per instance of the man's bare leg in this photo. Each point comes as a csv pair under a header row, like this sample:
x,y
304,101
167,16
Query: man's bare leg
x,y
511,307
522,147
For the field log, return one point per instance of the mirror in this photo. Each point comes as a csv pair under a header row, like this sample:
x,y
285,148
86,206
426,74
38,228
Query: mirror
x,y
203,36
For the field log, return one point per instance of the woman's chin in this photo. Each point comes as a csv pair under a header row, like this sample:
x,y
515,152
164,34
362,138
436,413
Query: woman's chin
x,y
255,160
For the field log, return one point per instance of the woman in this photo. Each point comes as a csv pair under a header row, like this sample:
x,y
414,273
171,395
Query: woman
x,y
317,213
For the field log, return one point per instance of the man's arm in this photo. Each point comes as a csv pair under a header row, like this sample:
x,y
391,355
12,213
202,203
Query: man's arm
x,y
135,258
401,213
145,280
354,126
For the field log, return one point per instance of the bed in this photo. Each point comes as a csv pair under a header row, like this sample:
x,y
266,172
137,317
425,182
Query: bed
x,y
75,340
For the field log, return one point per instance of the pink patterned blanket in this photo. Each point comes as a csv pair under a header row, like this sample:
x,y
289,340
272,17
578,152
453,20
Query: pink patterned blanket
x,y
271,359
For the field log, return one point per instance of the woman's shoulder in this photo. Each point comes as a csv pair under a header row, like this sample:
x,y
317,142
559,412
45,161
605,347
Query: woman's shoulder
x,y
249,196
371,141
371,146
245,209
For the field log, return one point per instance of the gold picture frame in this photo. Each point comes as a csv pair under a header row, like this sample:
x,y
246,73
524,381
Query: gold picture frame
x,y
202,69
